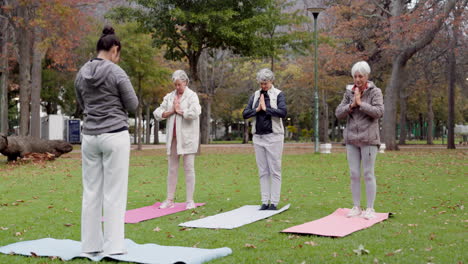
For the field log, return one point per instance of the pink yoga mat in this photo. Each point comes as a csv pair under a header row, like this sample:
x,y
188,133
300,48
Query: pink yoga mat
x,y
153,211
336,224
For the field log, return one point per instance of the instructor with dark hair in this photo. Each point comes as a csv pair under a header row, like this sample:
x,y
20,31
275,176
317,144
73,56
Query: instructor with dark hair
x,y
105,94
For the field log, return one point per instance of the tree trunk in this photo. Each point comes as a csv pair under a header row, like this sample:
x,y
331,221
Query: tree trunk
x,y
24,48
226,131
4,77
391,92
148,127
205,124
138,125
421,127
451,98
430,116
156,132
245,138
135,133
403,131
324,119
36,77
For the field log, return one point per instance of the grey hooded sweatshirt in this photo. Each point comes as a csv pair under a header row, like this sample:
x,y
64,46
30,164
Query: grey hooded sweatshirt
x,y
104,92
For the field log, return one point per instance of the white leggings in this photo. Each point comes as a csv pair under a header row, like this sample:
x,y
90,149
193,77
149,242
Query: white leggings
x,y
172,174
365,156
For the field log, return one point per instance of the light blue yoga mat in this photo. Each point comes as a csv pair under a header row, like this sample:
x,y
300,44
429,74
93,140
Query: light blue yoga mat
x,y
146,253
232,219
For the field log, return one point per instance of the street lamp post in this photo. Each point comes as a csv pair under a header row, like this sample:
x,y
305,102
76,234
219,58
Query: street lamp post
x,y
316,11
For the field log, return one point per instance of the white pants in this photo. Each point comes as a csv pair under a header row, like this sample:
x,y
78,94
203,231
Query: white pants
x,y
105,180
365,156
268,152
172,174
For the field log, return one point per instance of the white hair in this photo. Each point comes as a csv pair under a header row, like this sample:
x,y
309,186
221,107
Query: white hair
x,y
180,75
362,67
265,75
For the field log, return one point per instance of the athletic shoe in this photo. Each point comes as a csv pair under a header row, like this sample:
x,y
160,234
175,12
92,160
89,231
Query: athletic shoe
x,y
356,211
167,204
369,213
272,207
190,205
264,207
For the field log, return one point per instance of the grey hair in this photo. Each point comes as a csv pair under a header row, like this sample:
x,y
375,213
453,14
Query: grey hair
x,y
265,75
362,67
180,75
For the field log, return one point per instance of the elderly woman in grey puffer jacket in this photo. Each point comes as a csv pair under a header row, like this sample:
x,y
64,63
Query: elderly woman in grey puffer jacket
x,y
362,105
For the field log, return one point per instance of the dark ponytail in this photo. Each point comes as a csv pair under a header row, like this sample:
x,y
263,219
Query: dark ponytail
x,y
108,39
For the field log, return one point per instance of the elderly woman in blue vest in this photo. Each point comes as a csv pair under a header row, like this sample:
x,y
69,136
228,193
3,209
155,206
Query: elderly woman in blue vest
x,y
181,108
362,105
268,106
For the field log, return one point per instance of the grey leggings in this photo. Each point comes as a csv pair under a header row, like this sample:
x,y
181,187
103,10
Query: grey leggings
x,y
364,155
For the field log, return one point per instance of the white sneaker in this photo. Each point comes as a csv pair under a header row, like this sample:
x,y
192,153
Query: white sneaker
x,y
167,204
355,211
190,205
368,214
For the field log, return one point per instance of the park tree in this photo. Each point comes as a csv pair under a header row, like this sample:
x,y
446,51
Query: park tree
x,y
41,27
406,41
282,28
138,59
186,28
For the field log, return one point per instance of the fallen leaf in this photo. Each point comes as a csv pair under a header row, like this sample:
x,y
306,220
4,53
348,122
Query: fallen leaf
x,y
196,245
412,224
432,236
394,252
68,225
335,254
157,229
185,229
361,250
442,212
428,249
279,261
376,261
3,228
250,246
20,201
293,236
34,255
312,243
18,234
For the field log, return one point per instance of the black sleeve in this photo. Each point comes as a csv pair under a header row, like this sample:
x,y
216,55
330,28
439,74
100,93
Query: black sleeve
x,y
249,111
281,111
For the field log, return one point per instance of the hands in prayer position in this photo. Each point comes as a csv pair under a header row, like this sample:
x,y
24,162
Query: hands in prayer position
x,y
261,105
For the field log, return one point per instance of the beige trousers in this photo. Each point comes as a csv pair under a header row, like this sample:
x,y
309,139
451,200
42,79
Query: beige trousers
x,y
172,174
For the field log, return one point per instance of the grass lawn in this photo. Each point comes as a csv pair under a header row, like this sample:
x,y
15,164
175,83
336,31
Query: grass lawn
x,y
423,188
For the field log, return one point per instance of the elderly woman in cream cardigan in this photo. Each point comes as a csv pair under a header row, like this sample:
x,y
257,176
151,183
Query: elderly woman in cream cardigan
x,y
182,109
